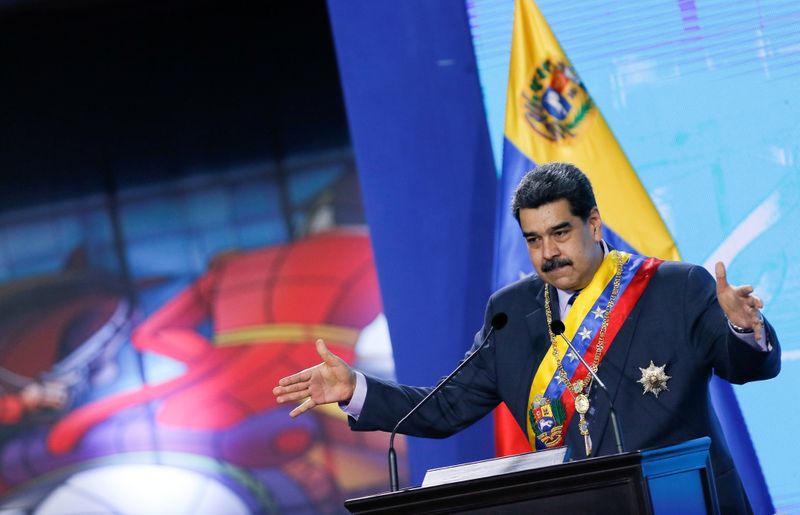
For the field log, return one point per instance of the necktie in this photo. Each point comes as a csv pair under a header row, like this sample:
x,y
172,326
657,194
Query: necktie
x,y
570,301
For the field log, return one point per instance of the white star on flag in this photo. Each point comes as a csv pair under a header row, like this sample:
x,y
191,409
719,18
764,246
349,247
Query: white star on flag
x,y
585,333
571,355
598,312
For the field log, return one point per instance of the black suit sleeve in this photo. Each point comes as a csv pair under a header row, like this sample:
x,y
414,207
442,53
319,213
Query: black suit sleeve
x,y
470,395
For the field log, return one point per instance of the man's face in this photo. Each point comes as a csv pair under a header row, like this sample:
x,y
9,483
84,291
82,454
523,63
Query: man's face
x,y
564,249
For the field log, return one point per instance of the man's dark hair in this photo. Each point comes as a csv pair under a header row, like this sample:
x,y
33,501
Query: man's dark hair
x,y
550,182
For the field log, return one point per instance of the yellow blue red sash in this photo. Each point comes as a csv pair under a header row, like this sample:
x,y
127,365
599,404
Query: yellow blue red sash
x,y
550,404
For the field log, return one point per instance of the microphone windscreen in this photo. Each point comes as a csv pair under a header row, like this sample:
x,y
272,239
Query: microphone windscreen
x,y
557,326
499,321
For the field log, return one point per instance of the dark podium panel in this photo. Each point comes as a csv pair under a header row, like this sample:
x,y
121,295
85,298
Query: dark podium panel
x,y
670,480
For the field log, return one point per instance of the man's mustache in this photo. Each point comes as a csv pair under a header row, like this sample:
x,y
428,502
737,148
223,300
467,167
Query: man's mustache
x,y
552,264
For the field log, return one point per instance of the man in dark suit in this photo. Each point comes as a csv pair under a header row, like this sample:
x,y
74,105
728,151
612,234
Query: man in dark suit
x,y
654,331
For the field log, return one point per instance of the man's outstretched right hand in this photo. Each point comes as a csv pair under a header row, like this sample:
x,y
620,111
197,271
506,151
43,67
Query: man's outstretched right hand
x,y
331,381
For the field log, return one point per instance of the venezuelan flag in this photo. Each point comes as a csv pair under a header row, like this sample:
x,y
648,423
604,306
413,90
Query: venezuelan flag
x,y
551,117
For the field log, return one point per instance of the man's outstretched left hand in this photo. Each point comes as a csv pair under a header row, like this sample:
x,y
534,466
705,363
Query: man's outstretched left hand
x,y
739,304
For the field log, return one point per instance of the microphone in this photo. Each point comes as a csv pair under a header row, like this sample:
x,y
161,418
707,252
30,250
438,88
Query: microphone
x,y
557,326
498,322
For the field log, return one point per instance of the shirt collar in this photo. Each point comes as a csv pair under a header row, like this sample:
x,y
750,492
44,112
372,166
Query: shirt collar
x,y
564,295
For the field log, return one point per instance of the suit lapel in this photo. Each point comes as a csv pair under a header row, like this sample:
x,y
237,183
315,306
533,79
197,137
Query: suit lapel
x,y
536,323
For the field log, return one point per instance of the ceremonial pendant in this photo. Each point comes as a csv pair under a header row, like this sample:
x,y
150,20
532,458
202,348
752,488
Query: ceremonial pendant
x,y
583,426
582,407
582,404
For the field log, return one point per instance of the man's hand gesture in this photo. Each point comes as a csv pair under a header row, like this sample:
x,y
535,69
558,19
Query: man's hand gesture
x,y
738,302
331,381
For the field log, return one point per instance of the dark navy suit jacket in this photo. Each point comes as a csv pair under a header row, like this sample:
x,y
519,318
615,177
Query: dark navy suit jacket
x,y
677,322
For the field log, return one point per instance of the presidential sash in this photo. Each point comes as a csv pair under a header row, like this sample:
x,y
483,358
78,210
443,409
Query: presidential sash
x,y
550,404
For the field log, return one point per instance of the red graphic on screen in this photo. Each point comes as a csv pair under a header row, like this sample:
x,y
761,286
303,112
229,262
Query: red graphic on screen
x,y
267,307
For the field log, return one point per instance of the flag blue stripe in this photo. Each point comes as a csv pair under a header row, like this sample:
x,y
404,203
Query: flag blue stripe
x,y
511,256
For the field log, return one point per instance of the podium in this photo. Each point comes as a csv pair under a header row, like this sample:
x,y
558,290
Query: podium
x,y
668,480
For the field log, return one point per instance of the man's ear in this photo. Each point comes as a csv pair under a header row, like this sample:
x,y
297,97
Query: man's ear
x,y
596,223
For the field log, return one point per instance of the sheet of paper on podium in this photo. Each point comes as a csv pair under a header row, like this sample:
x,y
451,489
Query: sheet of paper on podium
x,y
494,466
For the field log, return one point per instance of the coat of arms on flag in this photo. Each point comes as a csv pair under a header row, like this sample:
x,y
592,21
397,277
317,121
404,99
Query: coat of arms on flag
x,y
556,101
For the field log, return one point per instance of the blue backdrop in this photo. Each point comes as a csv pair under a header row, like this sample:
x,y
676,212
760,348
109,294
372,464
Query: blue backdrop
x,y
422,148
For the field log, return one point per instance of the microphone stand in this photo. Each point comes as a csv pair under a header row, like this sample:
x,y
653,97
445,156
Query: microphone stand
x,y
557,326
498,322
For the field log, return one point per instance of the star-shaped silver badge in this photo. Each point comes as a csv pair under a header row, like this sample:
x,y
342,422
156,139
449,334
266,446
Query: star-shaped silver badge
x,y
654,379
598,312
585,334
